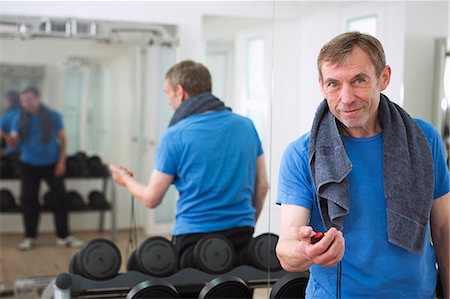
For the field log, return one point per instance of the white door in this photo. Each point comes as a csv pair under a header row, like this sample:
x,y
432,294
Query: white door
x,y
152,118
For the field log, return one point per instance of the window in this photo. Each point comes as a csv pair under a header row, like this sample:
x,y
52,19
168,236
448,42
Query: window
x,y
366,25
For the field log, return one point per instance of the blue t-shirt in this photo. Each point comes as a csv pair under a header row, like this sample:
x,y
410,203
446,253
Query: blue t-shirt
x,y
212,157
32,150
6,122
371,266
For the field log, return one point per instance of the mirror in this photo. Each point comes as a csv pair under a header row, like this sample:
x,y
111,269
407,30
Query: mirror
x,y
106,78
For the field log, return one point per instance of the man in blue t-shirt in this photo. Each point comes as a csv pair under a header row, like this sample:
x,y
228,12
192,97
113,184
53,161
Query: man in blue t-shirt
x,y
213,156
42,143
11,104
370,176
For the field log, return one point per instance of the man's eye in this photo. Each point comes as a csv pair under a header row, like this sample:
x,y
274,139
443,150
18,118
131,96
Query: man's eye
x,y
332,85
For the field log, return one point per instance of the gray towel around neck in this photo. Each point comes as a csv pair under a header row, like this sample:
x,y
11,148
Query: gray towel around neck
x,y
407,166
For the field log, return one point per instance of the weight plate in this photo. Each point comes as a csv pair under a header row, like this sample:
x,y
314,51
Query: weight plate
x,y
132,264
73,265
262,252
186,258
99,259
291,285
157,256
214,254
153,289
225,287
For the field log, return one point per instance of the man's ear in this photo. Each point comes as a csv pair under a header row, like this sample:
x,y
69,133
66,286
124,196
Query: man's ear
x,y
385,77
181,93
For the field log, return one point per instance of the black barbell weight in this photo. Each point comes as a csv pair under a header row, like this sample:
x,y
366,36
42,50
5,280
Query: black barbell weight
x,y
153,289
213,253
225,287
290,286
99,259
260,253
156,256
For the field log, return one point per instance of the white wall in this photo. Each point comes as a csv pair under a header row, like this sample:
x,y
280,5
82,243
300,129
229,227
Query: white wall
x,y
425,22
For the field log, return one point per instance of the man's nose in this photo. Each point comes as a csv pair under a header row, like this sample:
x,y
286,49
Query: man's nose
x,y
347,94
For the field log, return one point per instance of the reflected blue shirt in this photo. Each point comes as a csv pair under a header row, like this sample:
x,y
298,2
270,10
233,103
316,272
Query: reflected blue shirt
x,y
371,267
212,157
32,150
6,123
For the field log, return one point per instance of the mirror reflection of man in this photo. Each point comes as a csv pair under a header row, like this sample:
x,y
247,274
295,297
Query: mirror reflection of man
x,y
42,154
212,155
11,106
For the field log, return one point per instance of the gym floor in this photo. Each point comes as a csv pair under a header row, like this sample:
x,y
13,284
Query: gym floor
x,y
48,260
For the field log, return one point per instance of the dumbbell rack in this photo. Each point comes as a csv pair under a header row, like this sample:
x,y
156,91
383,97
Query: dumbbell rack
x,y
186,281
111,205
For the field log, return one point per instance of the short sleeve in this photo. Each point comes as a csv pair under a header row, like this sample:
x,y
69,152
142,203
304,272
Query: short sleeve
x,y
441,174
58,121
260,150
166,158
15,123
294,182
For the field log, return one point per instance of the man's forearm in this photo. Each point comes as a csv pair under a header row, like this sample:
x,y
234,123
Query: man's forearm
x,y
141,192
62,149
259,198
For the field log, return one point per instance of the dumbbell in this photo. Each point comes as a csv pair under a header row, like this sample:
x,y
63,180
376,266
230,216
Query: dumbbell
x,y
260,253
75,200
213,253
99,259
7,201
291,285
96,167
156,256
225,287
153,289
97,200
77,165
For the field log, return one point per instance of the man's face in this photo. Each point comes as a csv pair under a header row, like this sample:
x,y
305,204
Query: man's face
x,y
353,91
30,102
173,96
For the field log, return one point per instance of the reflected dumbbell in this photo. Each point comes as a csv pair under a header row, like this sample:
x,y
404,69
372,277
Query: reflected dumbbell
x,y
156,256
260,253
212,254
225,287
7,201
153,289
99,259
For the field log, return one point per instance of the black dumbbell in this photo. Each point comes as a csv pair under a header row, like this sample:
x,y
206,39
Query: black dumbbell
x,y
7,201
96,167
99,259
156,256
77,165
225,287
153,289
260,253
6,167
75,200
291,285
97,200
213,253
